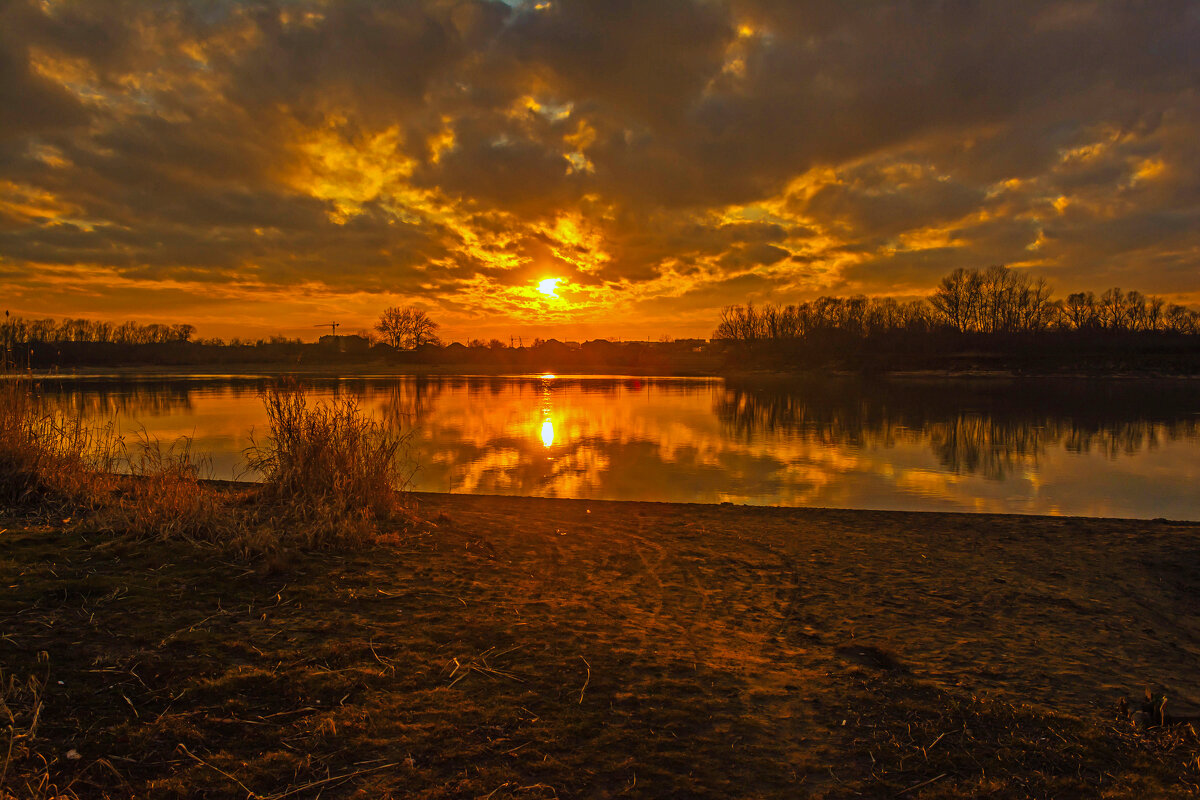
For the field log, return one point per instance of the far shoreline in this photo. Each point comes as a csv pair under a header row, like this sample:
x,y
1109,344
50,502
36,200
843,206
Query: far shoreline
x,y
381,370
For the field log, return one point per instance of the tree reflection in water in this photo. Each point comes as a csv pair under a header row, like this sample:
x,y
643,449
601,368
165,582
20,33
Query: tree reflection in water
x,y
990,428
406,403
1084,447
108,400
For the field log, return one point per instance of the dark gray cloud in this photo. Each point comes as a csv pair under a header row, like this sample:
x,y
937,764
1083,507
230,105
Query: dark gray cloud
x,y
637,149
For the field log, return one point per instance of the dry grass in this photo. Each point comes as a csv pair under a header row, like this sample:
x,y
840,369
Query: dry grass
x,y
916,735
25,773
332,476
51,461
166,497
332,471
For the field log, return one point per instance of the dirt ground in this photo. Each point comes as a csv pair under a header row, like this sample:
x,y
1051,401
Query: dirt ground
x,y
531,648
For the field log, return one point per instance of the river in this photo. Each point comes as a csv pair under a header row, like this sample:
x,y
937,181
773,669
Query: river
x,y
1113,448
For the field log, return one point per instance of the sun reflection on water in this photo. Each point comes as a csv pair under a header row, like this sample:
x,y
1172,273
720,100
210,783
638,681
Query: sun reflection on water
x,y
842,445
547,420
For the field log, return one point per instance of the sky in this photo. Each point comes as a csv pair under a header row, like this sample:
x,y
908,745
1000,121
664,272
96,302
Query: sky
x,y
262,168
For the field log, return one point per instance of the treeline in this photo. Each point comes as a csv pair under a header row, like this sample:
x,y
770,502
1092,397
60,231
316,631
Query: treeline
x,y
860,316
49,342
1000,300
358,351
17,331
996,300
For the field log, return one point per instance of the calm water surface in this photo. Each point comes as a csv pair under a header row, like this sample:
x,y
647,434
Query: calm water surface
x,y
1116,448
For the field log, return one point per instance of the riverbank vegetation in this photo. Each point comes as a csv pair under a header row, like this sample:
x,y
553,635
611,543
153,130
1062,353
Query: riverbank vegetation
x,y
331,474
50,460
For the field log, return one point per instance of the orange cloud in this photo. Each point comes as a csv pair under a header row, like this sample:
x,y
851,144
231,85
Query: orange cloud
x,y
250,169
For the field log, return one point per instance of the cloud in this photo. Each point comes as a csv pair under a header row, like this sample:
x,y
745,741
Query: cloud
x,y
659,157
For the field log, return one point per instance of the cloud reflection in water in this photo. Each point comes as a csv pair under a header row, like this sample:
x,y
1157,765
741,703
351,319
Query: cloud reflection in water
x,y
1088,448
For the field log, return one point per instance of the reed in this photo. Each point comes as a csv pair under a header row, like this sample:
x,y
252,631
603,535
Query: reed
x,y
166,497
50,460
330,471
331,475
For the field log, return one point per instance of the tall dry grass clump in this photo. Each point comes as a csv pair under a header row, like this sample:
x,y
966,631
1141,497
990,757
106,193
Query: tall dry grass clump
x,y
332,472
48,459
166,498
331,475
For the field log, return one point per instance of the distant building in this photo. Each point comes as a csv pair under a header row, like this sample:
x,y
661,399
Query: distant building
x,y
345,344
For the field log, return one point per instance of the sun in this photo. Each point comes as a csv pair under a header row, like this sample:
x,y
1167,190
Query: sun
x,y
547,286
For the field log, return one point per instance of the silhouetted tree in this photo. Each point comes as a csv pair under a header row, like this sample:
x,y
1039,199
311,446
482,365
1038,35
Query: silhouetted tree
x,y
1181,319
1079,311
954,299
996,300
407,328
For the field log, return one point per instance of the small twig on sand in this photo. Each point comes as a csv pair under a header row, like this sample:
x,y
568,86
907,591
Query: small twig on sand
x,y
922,783
389,667
183,748
586,680
8,758
480,665
488,796
347,776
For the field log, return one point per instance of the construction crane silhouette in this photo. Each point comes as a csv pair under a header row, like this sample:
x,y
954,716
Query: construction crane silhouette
x,y
333,326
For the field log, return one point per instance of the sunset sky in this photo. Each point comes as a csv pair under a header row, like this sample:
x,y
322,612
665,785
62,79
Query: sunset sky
x,y
259,168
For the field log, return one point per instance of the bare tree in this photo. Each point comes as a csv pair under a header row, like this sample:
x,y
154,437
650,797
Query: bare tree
x,y
1112,309
1181,319
952,301
407,328
1155,316
1080,310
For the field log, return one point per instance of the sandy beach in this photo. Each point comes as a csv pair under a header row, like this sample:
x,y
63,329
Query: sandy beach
x,y
521,647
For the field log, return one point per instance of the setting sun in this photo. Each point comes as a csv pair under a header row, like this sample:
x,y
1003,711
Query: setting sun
x,y
845,352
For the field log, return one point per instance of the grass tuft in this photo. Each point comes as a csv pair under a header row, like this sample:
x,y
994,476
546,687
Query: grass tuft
x,y
331,471
332,475
166,497
50,461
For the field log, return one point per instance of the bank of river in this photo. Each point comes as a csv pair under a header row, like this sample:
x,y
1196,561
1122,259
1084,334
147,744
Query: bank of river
x,y
537,648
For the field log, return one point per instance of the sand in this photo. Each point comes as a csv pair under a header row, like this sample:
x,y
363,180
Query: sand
x,y
538,648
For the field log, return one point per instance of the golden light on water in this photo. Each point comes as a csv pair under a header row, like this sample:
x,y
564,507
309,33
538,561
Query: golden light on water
x,y
547,420
547,286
